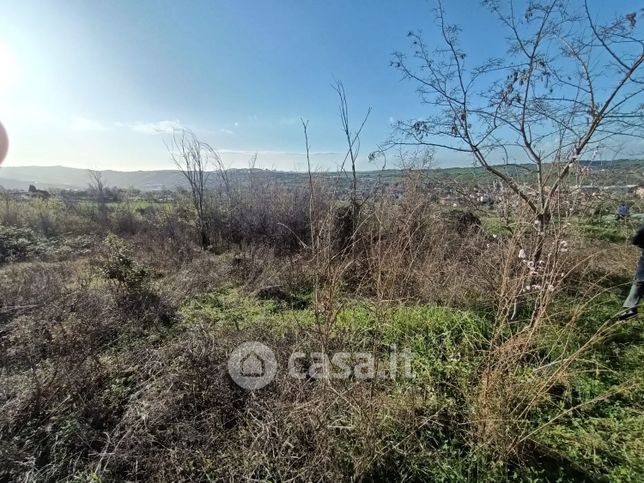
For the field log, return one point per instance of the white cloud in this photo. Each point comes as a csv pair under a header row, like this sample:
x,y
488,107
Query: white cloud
x,y
84,124
227,131
160,127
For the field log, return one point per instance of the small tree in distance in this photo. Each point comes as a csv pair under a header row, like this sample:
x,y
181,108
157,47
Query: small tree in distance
x,y
353,150
97,187
565,86
195,158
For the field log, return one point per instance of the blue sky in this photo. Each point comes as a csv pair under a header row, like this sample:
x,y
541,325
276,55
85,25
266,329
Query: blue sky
x,y
98,84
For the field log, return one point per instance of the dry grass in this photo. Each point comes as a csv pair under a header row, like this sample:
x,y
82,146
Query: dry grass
x,y
110,377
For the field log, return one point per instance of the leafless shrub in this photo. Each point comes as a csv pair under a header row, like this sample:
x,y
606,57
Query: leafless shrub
x,y
194,158
97,188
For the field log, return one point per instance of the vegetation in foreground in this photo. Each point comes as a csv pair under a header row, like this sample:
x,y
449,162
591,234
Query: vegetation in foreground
x,y
116,330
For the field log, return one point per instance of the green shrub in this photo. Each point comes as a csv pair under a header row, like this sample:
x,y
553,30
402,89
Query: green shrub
x,y
118,266
16,244
607,229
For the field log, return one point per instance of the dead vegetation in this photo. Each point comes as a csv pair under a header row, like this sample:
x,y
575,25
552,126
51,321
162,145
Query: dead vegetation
x,y
114,361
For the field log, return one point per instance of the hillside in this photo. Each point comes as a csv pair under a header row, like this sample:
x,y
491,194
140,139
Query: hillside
x,y
75,178
627,171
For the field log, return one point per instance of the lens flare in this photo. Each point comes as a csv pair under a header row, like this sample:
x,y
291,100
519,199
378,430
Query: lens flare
x,y
4,143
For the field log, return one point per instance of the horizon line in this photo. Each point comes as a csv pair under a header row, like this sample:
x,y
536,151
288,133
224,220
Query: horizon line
x,y
177,170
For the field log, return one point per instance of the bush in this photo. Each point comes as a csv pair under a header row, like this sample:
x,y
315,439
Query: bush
x,y
16,244
118,267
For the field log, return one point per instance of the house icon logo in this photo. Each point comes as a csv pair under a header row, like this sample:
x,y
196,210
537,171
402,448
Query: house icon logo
x,y
252,365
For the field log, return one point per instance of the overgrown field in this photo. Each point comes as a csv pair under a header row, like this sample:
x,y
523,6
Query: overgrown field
x,y
116,329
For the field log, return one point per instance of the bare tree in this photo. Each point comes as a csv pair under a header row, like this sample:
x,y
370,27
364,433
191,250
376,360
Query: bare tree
x,y
97,186
194,158
565,85
353,149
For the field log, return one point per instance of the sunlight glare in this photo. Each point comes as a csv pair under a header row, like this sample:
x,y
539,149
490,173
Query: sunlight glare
x,y
9,69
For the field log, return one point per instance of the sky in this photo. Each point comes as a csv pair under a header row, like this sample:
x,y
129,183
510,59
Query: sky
x,y
101,84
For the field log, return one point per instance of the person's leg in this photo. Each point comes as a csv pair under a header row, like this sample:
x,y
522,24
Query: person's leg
x,y
635,295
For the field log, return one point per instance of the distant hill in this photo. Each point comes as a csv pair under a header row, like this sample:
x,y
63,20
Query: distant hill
x,y
626,171
73,178
60,177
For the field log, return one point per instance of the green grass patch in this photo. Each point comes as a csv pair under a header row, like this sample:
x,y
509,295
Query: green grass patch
x,y
231,308
608,229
